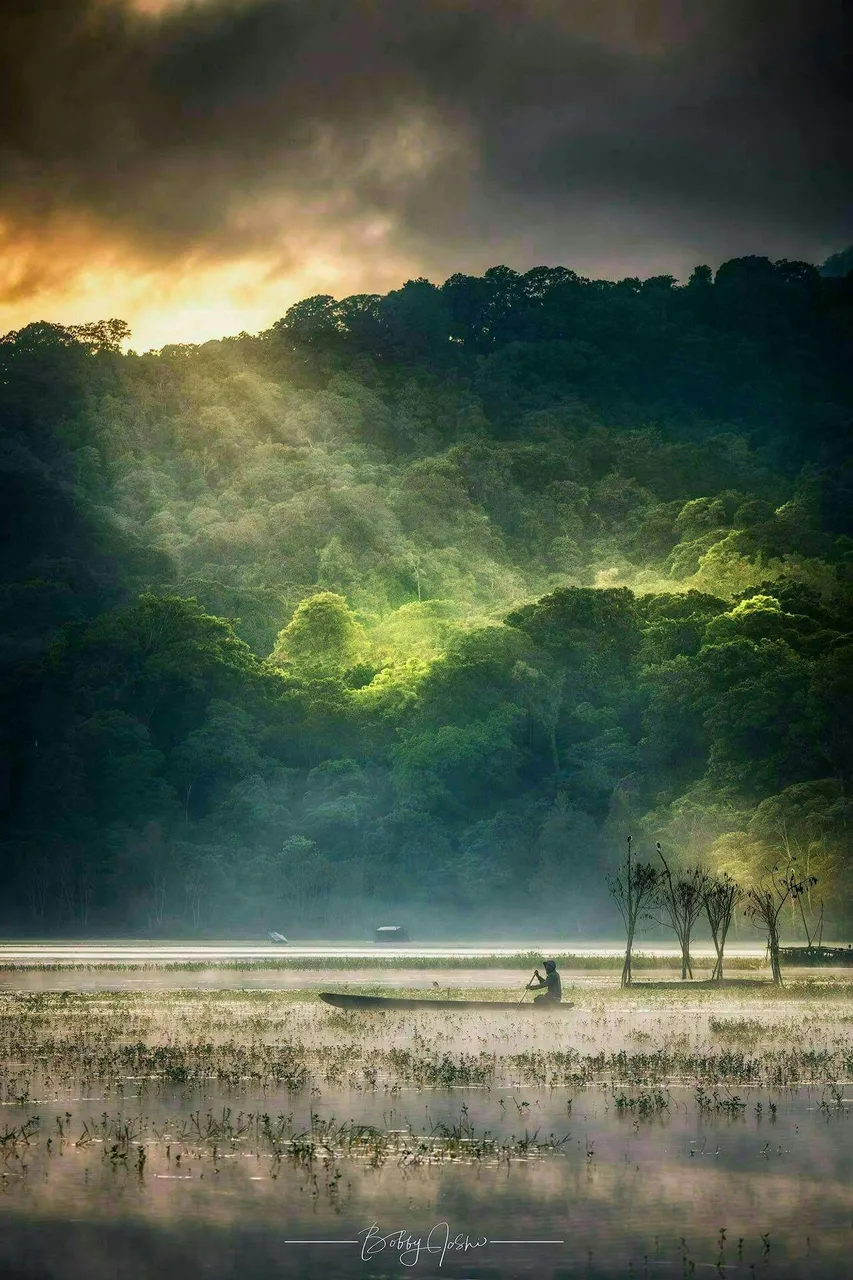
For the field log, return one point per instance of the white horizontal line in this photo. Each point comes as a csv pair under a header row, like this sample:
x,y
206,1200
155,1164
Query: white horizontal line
x,y
322,1242
527,1242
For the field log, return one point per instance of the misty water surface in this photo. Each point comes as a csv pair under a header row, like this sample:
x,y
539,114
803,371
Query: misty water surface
x,y
134,951
754,1193
624,1197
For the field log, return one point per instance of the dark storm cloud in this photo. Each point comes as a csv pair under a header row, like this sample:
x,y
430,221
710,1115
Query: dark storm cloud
x,y
167,129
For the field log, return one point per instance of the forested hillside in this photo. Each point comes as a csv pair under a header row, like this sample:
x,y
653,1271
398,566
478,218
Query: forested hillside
x,y
417,604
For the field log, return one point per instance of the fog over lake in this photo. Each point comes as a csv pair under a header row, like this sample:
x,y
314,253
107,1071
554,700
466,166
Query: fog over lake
x,y
211,1121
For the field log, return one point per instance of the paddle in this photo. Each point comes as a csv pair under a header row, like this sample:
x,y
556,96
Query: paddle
x,y
535,974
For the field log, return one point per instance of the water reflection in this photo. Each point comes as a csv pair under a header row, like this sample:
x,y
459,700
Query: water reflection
x,y
625,1196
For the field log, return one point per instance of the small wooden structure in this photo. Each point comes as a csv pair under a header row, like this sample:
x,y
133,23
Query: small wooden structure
x,y
391,933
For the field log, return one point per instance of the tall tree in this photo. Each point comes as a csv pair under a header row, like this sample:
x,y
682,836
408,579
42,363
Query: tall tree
x,y
680,899
633,889
721,896
764,903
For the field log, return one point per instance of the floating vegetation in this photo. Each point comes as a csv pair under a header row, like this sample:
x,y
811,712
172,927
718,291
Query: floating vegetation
x,y
258,1040
13,1136
727,1104
645,1104
123,1140
738,1028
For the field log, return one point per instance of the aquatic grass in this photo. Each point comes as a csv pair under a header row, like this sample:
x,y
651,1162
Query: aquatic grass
x,y
645,1104
738,1028
214,1135
134,1042
728,1104
12,1136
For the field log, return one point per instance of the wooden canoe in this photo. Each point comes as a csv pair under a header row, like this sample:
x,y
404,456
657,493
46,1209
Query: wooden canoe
x,y
348,1000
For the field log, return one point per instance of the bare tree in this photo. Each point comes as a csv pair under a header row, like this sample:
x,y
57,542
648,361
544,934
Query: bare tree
x,y
633,888
764,905
680,901
817,929
720,898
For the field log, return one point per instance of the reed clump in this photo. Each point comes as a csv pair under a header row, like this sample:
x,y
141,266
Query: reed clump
x,y
218,1135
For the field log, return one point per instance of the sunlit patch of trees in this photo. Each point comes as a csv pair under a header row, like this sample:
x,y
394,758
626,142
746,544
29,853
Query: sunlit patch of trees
x,y
427,598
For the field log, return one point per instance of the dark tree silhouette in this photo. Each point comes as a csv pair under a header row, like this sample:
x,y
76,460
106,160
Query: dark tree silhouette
x,y
680,900
764,903
720,898
633,889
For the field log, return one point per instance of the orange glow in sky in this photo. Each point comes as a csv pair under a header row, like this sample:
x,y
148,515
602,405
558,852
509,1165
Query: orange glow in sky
x,y
72,273
196,303
194,167
274,249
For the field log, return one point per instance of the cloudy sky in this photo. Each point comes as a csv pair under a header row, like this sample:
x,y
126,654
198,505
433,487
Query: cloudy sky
x,y
195,168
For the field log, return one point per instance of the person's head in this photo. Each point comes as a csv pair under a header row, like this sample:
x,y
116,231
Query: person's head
x,y
550,966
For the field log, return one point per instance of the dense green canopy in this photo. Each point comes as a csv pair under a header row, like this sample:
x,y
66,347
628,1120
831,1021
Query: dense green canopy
x,y
428,598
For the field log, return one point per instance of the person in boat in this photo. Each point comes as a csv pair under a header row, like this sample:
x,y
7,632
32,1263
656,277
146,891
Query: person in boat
x,y
550,985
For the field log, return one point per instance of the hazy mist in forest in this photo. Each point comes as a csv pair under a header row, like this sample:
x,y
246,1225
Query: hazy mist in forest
x,y
416,605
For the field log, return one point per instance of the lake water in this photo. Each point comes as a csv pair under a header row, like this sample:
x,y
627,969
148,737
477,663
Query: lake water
x,y
125,951
676,1195
635,1182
